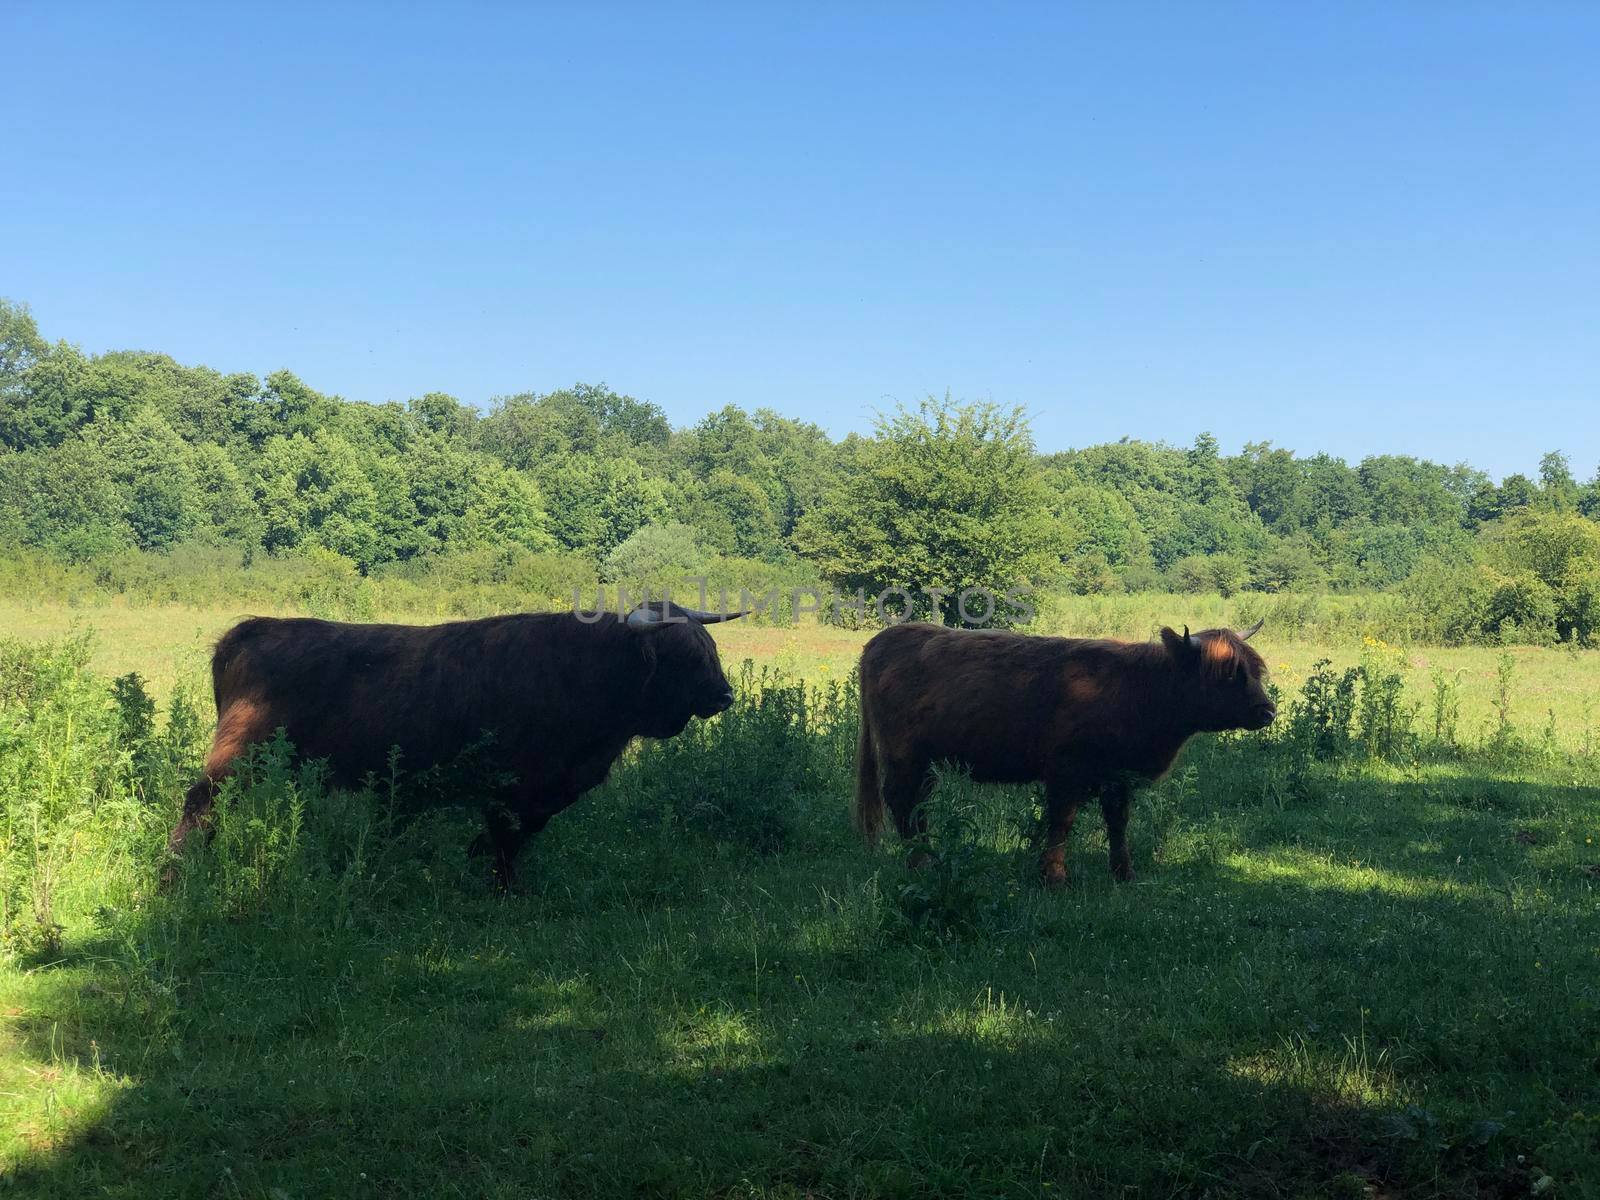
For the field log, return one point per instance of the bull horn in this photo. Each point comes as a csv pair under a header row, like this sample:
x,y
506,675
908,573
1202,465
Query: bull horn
x,y
709,618
674,614
1253,630
1187,640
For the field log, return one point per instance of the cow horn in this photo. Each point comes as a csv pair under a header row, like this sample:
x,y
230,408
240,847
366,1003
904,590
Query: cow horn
x,y
709,618
1253,630
656,614
1187,640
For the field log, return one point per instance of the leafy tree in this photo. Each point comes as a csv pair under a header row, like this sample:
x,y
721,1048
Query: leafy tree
x,y
286,406
734,514
1407,491
1097,521
949,496
1287,565
1589,498
227,508
1222,573
313,490
595,503
1557,488
153,470
20,343
655,556
506,508
1270,482
63,499
445,415
1204,479
39,400
532,432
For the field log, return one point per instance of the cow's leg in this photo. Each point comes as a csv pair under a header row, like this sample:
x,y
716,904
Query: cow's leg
x,y
237,728
507,828
1063,796
906,788
1115,802
198,802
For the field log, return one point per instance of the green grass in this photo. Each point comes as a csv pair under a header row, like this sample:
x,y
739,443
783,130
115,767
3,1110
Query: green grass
x,y
171,643
1362,976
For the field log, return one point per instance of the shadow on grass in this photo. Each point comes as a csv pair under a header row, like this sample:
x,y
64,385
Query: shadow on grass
x,y
1296,1000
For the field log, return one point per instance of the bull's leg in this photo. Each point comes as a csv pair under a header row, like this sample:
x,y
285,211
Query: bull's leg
x,y
237,727
1062,799
906,787
198,803
507,828
1114,804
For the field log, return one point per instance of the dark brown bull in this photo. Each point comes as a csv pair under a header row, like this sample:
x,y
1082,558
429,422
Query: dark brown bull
x,y
1084,717
563,696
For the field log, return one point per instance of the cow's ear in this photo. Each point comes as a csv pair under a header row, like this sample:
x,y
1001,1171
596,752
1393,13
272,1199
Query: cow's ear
x,y
1180,645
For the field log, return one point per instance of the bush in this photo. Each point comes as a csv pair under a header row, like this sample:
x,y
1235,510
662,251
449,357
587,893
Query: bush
x,y
1220,573
1520,607
742,776
79,760
655,557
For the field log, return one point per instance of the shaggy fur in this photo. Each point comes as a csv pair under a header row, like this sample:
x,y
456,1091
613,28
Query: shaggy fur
x,y
562,696
1085,717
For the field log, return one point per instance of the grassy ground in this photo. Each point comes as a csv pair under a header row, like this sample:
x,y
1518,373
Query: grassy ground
x,y
1562,686
1359,976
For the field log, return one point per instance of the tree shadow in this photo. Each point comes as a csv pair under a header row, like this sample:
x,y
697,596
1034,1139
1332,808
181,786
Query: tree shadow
x,y
661,1016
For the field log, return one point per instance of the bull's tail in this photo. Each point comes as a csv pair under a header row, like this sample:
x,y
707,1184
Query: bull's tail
x,y
868,807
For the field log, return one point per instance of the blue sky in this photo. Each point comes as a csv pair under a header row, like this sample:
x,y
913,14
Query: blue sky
x,y
1333,226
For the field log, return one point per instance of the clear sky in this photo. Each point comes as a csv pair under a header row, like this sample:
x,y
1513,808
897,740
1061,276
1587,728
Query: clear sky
x,y
1332,226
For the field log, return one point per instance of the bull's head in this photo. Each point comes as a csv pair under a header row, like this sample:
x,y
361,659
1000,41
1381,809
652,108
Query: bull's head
x,y
1226,678
683,671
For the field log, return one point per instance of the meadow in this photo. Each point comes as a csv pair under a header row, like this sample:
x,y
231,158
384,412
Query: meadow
x,y
1360,959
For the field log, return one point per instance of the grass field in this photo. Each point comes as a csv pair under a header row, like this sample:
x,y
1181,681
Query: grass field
x,y
1370,972
168,643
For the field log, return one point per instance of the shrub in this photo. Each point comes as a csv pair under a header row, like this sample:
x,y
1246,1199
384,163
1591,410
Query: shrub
x,y
1221,573
742,776
949,893
61,763
1520,607
1320,719
655,556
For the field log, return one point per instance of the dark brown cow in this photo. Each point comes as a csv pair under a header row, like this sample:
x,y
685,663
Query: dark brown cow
x,y
563,696
1084,717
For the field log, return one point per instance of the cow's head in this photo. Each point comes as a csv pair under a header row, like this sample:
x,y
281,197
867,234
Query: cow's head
x,y
1227,679
683,672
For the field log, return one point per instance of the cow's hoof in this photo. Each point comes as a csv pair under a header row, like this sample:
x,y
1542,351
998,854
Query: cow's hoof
x,y
1123,874
1053,877
918,859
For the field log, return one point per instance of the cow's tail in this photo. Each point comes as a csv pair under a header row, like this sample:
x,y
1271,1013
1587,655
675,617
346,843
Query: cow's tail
x,y
868,807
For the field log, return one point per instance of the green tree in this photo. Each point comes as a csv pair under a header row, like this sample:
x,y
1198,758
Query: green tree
x,y
1098,521
154,472
1557,488
655,557
313,490
506,508
40,404
1199,573
63,499
228,510
595,503
946,497
445,415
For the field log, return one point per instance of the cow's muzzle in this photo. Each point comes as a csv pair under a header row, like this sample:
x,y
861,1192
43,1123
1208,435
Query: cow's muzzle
x,y
1263,715
718,703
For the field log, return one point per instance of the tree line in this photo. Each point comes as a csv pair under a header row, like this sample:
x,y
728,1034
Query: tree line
x,y
130,450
